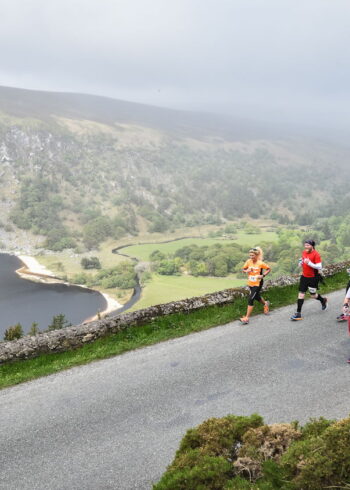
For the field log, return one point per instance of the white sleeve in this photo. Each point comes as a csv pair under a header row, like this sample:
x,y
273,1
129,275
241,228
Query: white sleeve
x,y
347,296
315,266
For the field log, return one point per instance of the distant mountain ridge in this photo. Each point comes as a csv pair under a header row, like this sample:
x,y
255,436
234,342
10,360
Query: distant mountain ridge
x,y
43,105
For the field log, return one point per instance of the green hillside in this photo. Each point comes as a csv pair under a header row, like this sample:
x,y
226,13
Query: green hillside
x,y
77,170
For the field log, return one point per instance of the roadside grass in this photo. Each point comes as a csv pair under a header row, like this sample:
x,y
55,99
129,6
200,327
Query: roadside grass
x,y
161,329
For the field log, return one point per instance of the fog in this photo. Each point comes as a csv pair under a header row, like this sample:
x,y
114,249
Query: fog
x,y
264,59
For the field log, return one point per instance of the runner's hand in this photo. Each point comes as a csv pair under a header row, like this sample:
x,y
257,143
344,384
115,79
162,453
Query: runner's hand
x,y
306,261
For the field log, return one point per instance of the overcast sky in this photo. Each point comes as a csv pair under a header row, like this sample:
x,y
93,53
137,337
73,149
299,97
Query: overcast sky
x,y
269,59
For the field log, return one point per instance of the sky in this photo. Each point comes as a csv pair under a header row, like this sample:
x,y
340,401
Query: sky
x,y
275,60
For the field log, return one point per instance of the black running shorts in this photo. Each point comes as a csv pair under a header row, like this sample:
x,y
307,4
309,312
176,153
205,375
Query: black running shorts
x,y
308,282
254,294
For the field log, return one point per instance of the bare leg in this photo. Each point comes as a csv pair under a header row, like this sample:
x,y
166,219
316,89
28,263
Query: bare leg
x,y
249,311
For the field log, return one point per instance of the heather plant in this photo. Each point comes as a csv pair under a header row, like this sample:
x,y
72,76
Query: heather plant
x,y
321,461
219,437
260,444
240,453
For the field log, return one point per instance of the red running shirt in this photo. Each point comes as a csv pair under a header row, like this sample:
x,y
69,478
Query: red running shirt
x,y
315,258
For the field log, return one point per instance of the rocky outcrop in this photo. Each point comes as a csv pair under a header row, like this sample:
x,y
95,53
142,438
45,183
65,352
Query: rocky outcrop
x,y
76,336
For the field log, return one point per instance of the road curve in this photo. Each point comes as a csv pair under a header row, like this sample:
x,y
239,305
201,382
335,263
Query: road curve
x,y
115,424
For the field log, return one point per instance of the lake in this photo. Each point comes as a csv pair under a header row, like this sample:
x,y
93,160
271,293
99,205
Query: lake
x,y
25,302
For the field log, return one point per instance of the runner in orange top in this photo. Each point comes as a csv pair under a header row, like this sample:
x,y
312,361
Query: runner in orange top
x,y
256,270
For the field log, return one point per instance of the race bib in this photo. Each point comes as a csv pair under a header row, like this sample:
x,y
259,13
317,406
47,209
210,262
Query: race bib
x,y
252,278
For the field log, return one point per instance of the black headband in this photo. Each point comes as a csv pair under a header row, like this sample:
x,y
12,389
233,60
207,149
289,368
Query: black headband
x,y
310,242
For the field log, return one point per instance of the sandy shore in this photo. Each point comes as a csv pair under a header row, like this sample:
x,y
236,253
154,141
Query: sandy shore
x,y
33,268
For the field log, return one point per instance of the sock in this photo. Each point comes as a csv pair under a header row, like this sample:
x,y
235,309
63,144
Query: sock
x,y
300,305
319,297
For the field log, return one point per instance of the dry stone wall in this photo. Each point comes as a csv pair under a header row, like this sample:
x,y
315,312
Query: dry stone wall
x,y
72,337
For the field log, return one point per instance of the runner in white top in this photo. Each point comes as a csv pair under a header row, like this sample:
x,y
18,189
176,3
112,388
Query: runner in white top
x,y
342,317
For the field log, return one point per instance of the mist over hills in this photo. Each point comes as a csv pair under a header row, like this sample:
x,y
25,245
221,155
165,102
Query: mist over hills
x,y
43,105
78,169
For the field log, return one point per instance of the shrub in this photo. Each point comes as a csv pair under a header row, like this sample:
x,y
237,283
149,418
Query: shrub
x,y
316,427
261,444
34,330
90,263
322,460
58,322
14,332
218,437
196,471
80,278
239,453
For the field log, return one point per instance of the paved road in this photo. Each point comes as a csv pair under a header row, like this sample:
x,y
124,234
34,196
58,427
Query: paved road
x,y
115,424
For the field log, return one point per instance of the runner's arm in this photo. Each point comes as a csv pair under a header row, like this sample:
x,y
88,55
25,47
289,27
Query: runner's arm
x,y
314,266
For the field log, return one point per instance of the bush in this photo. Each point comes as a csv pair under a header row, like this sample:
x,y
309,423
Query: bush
x,y
240,453
219,436
90,263
58,322
80,278
14,332
321,461
121,276
261,444
34,330
196,471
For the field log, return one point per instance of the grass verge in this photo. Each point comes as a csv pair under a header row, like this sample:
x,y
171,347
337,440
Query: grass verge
x,y
161,329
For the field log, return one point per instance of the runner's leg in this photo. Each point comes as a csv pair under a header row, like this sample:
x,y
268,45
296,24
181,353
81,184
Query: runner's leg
x,y
252,295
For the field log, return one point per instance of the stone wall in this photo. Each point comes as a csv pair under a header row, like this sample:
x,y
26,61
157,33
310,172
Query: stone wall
x,y
76,336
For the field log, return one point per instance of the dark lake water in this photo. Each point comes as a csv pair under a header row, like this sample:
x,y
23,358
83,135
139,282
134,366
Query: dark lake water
x,y
27,302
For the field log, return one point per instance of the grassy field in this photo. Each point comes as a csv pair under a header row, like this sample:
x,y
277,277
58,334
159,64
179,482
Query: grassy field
x,y
142,252
71,262
159,330
162,289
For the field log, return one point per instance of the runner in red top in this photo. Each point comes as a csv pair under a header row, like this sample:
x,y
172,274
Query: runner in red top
x,y
311,265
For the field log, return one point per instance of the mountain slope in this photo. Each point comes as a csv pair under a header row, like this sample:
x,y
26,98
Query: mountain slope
x,y
78,169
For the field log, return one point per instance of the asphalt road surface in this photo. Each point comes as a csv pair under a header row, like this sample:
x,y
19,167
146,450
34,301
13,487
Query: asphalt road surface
x,y
116,424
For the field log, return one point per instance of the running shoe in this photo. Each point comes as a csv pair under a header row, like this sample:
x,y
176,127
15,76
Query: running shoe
x,y
341,318
348,361
266,307
244,320
296,317
324,304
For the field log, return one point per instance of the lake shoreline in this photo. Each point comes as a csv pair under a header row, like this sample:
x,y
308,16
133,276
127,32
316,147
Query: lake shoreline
x,y
34,271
